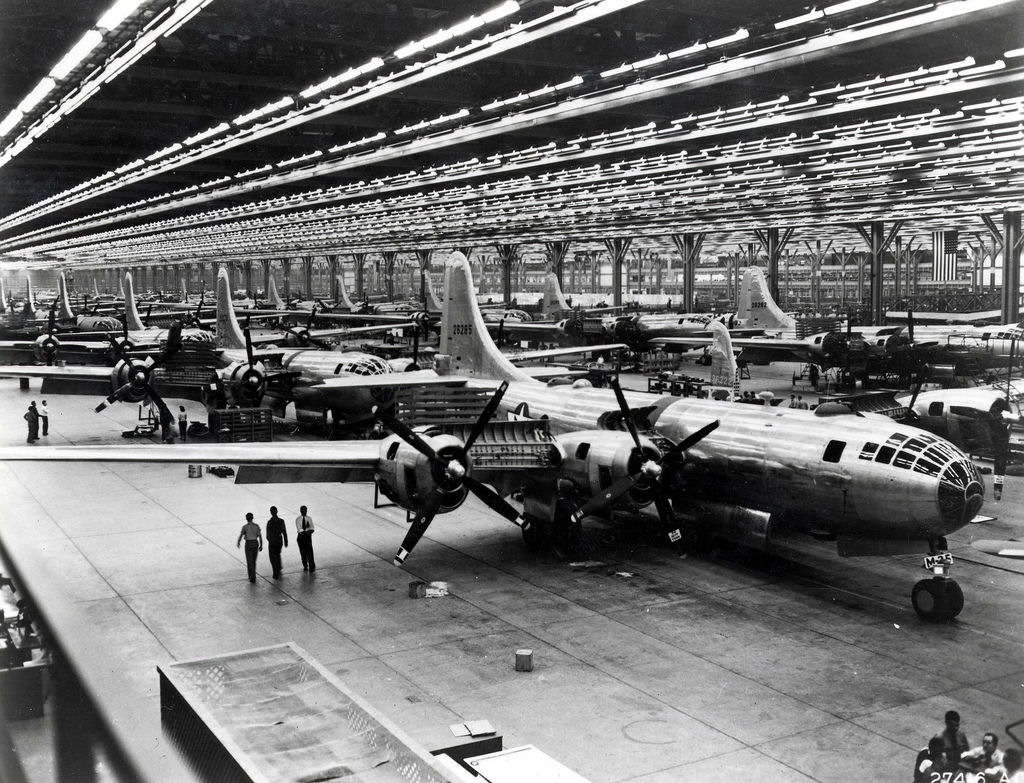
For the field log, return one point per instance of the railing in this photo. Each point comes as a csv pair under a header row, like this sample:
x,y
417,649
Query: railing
x,y
94,715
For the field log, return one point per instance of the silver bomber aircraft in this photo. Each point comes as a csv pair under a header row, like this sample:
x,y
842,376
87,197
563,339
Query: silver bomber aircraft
x,y
709,468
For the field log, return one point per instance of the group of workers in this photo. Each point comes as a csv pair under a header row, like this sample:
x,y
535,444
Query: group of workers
x,y
949,757
277,537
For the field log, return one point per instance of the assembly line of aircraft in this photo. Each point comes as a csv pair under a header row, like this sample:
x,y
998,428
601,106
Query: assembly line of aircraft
x,y
702,467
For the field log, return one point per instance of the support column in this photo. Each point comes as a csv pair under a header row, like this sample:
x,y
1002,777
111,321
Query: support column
x,y
423,256
506,255
1011,266
689,245
247,266
817,256
617,249
557,251
267,270
286,278
307,277
773,242
874,234
390,256
466,250
359,259
333,269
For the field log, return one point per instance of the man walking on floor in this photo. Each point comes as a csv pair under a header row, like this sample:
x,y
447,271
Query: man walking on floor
x,y
253,544
276,533
304,538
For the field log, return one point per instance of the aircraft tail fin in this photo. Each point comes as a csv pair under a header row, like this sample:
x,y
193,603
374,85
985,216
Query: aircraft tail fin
x,y
756,308
343,293
3,297
64,304
131,312
229,333
184,290
120,290
554,303
95,289
465,341
272,295
724,370
30,298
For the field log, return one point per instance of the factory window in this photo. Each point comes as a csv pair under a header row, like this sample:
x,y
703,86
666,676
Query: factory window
x,y
868,451
935,409
582,450
885,454
834,450
904,460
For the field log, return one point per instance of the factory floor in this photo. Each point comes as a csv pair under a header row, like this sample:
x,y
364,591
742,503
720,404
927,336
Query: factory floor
x,y
648,667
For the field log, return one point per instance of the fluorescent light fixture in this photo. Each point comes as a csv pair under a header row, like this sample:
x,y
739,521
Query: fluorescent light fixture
x,y
739,35
117,13
500,11
998,65
269,108
624,68
208,133
826,90
165,151
697,47
575,81
795,20
37,94
849,5
76,54
967,62
182,14
8,122
1014,53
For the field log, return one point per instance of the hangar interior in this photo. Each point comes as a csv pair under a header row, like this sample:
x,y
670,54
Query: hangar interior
x,y
303,140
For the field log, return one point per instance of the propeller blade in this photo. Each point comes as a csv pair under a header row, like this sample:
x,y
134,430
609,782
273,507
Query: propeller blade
x,y
419,526
495,501
405,433
113,397
692,440
119,350
604,498
485,415
149,312
627,416
501,332
922,377
51,325
248,346
668,518
312,315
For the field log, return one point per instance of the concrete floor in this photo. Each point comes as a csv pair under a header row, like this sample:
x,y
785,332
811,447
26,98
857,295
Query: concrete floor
x,y
648,667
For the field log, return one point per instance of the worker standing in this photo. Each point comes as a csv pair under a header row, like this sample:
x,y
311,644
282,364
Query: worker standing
x,y
277,533
253,544
44,418
182,423
304,538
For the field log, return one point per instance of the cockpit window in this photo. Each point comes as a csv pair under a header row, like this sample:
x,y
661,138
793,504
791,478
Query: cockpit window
x,y
927,467
885,454
904,460
868,452
915,444
834,450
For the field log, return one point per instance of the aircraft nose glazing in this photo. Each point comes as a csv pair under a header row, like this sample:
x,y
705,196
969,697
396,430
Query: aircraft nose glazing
x,y
961,493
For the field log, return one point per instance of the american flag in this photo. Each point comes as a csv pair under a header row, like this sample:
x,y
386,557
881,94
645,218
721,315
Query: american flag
x,y
944,246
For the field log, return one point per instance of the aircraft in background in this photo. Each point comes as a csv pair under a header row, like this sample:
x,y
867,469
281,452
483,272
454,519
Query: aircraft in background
x,y
708,468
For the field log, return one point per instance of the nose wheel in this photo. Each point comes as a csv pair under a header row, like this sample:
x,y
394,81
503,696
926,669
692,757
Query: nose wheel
x,y
937,600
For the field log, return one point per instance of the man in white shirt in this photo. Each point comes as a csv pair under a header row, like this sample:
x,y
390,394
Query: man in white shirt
x,y
985,757
44,418
304,538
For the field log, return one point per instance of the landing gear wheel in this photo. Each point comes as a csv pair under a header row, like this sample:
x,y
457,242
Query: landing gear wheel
x,y
535,535
937,600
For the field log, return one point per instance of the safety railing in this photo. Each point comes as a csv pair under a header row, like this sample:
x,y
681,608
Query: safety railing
x,y
97,722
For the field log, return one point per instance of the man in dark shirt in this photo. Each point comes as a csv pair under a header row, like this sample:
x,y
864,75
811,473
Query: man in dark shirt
x,y
276,534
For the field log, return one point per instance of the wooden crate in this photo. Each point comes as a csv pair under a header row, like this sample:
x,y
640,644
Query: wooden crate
x,y
242,425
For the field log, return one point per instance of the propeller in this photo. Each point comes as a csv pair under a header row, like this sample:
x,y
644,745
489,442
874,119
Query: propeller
x,y
415,352
49,346
650,473
450,468
139,374
149,312
302,336
501,333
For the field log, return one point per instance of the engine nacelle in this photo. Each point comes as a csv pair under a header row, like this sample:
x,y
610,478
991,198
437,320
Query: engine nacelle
x,y
134,376
596,459
46,348
407,477
739,524
244,383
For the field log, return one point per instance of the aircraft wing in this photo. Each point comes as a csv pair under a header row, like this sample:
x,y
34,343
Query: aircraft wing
x,y
1008,548
28,345
347,330
260,462
545,373
87,373
393,318
527,356
767,349
387,381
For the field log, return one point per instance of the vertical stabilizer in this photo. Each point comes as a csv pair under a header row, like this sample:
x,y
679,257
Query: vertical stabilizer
x,y
131,313
343,293
95,289
553,304
63,303
756,309
30,300
3,297
464,336
272,295
433,303
725,373
229,333
120,290
184,290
